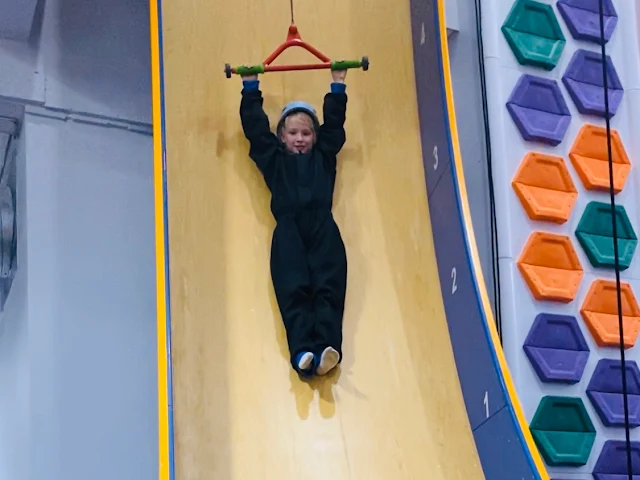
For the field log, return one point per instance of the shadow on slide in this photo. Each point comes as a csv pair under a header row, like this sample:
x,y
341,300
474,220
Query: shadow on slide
x,y
230,406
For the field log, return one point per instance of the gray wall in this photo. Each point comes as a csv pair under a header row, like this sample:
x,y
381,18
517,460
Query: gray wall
x,y
465,73
78,388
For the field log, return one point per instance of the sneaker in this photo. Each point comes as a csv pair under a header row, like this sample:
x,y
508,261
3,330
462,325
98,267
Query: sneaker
x,y
328,360
305,363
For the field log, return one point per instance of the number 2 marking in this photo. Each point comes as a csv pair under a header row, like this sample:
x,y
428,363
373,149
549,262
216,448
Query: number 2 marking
x,y
435,157
454,275
486,403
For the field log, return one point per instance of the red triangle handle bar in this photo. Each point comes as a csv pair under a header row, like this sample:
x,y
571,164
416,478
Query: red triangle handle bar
x,y
295,40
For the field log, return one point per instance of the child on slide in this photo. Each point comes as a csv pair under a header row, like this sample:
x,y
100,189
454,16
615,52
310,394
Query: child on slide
x,y
308,257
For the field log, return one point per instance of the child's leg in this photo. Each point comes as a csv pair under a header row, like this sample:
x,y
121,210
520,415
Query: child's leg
x,y
328,264
292,286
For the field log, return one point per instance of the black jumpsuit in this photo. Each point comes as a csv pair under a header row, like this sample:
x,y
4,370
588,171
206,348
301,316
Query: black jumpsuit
x,y
308,257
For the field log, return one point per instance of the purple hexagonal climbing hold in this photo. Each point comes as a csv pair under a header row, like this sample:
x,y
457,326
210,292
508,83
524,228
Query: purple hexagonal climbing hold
x,y
612,462
556,348
606,393
538,109
584,81
583,18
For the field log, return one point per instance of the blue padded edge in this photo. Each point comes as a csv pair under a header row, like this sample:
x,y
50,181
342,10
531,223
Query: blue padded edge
x,y
500,436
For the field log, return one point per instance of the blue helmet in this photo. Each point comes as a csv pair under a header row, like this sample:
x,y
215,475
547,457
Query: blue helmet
x,y
298,106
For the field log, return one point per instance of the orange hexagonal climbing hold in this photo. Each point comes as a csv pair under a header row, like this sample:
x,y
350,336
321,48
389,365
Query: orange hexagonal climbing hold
x,y
589,157
600,313
551,267
544,186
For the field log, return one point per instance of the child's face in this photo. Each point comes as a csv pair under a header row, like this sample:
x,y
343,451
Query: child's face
x,y
298,134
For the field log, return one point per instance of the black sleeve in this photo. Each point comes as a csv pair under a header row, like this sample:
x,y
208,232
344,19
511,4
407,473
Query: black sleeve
x,y
263,144
332,136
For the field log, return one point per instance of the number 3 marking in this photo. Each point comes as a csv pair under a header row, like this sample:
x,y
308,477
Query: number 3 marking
x,y
435,157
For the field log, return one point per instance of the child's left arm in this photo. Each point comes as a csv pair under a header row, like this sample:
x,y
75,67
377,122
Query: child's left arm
x,y
331,136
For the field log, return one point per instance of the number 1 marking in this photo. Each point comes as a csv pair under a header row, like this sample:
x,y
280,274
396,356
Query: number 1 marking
x,y
454,286
486,403
423,35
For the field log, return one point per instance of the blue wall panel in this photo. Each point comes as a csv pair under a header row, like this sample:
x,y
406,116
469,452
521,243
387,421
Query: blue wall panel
x,y
503,450
482,392
498,440
433,131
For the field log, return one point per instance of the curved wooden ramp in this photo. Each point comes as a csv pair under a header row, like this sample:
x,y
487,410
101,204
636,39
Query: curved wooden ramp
x,y
394,410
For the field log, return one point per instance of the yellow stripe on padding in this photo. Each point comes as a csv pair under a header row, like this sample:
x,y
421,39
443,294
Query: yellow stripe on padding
x,y
161,301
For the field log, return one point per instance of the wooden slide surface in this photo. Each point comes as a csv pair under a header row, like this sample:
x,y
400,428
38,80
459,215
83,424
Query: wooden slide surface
x,y
394,409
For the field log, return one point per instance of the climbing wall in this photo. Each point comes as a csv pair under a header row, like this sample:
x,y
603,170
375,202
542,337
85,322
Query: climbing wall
x,y
551,178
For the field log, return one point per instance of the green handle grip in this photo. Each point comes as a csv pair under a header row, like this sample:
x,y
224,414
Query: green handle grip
x,y
251,70
345,64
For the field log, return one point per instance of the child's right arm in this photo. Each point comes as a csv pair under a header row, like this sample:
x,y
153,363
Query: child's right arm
x,y
263,144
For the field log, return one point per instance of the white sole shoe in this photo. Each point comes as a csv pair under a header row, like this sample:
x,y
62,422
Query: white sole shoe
x,y
328,360
305,361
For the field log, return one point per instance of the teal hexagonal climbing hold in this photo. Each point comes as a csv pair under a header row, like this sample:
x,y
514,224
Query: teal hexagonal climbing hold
x,y
595,234
563,431
534,34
